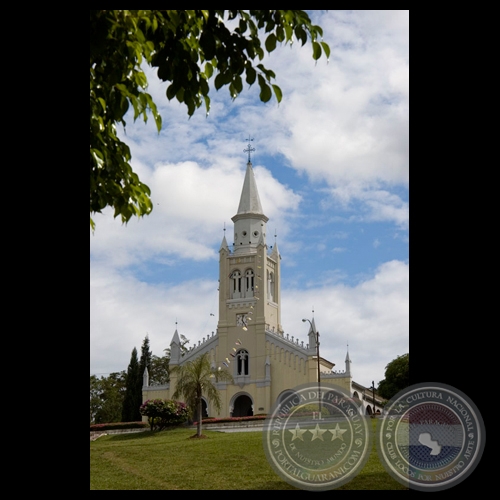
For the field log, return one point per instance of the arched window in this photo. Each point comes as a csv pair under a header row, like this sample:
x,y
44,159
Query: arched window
x,y
236,284
270,285
242,362
249,283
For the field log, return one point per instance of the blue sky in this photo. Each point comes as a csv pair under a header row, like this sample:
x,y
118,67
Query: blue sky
x,y
331,165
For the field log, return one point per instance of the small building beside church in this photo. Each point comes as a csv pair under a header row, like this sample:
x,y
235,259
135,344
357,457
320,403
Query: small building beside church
x,y
266,363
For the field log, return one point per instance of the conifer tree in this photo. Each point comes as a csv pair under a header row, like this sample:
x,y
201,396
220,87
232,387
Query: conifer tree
x,y
132,400
146,356
145,361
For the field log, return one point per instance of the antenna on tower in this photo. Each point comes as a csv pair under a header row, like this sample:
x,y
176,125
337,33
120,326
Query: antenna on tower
x,y
249,149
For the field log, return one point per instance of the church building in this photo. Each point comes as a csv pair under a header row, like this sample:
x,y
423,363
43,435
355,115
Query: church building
x,y
266,363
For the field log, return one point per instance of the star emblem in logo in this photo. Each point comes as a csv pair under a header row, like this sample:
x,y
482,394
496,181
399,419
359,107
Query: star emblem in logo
x,y
317,433
337,433
297,433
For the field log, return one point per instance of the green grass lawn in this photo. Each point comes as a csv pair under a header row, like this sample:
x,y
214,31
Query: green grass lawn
x,y
223,461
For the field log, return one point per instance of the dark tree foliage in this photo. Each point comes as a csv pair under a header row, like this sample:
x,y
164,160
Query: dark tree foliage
x,y
132,400
397,377
106,398
188,48
146,357
159,370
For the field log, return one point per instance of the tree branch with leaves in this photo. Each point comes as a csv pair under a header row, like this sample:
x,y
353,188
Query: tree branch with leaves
x,y
188,48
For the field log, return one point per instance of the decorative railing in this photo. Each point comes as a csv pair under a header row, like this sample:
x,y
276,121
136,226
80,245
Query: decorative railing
x,y
294,341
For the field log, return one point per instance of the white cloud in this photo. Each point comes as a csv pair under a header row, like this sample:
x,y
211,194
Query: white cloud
x,y
123,310
191,205
348,120
371,317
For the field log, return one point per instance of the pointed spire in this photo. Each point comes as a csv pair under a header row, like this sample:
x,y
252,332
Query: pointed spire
x,y
223,245
312,327
249,201
275,253
175,338
347,362
175,348
312,336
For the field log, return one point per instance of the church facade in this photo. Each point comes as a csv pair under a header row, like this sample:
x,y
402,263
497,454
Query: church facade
x,y
250,341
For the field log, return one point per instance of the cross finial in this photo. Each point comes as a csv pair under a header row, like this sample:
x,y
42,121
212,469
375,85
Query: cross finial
x,y
249,149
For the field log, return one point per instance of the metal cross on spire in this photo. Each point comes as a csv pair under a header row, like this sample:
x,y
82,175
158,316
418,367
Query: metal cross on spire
x,y
249,149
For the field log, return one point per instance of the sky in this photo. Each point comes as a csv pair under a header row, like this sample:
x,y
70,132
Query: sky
x,y
331,163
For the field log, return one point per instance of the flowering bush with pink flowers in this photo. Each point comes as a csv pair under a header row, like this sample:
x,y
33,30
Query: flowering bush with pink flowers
x,y
163,413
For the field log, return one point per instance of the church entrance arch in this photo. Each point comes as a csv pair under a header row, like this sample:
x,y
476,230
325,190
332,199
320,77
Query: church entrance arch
x,y
284,395
242,406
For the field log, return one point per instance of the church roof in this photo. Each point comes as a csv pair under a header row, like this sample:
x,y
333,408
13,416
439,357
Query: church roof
x,y
249,201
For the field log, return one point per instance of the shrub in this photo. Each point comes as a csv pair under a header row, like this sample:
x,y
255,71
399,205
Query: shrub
x,y
163,413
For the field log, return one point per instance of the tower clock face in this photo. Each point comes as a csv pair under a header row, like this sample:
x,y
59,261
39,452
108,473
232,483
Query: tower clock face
x,y
241,320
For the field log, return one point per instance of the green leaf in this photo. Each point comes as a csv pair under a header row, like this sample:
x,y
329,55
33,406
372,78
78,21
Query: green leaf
x,y
103,103
301,34
316,50
207,104
251,75
180,95
280,33
326,49
238,84
271,42
209,69
265,90
277,92
171,91
219,81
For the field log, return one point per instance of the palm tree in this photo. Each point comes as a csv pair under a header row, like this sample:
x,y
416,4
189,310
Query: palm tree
x,y
196,378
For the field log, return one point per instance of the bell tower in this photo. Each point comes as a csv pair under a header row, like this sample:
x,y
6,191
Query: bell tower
x,y
249,275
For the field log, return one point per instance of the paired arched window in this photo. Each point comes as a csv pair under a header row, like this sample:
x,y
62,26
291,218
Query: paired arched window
x,y
242,286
